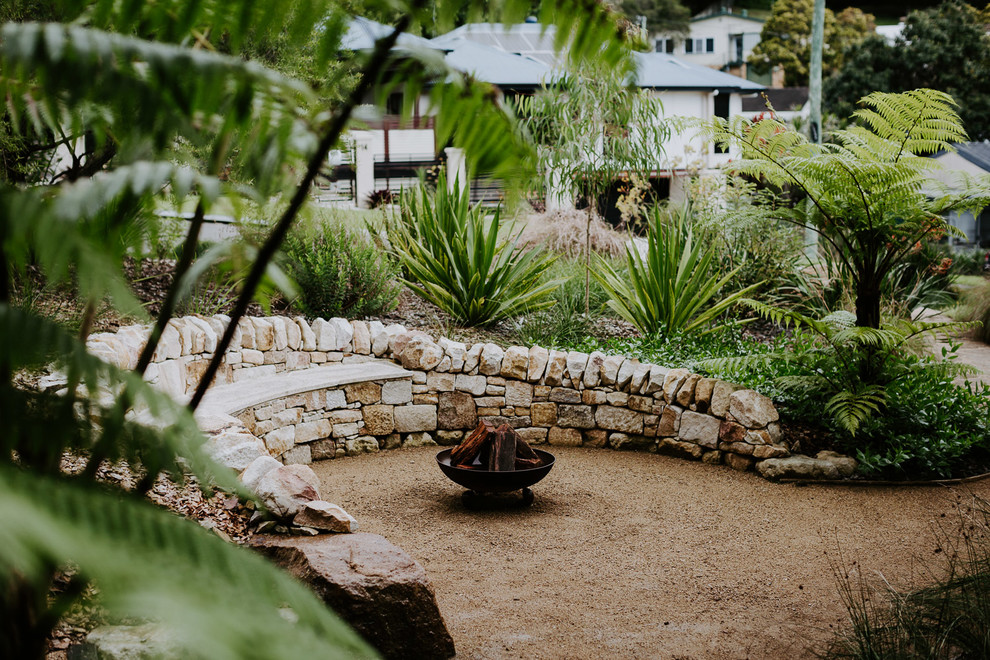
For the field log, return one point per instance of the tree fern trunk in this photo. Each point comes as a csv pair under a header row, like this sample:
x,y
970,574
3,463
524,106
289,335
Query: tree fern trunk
x,y
868,301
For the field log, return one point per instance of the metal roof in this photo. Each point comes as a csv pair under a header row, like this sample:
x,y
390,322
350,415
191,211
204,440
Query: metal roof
x,y
977,153
496,66
362,33
662,71
531,40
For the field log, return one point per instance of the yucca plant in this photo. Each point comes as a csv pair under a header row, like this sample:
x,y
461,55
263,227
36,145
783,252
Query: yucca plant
x,y
675,285
454,256
868,185
126,86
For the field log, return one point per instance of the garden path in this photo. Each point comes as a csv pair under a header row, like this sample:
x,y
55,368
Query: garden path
x,y
635,555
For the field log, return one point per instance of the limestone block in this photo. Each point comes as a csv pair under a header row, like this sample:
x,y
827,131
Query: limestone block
x,y
565,437
397,392
640,374
720,397
594,397
298,455
379,338
246,328
308,341
731,432
572,416
310,431
326,335
518,393
456,410
345,334
342,417
274,357
700,429
362,444
515,363
593,369
685,393
565,395
337,399
449,438
297,359
703,394
738,461
475,385
365,393
672,382
288,417
440,382
797,467
761,452
752,409
610,369
556,366
625,375
543,414
326,517
490,401
323,450
345,430
251,356
281,332
210,336
670,421
619,419
421,439
280,440
595,438
533,436
472,358
398,343
414,419
293,335
538,359
254,372
617,399
846,465
576,363
626,441
361,337
490,363
420,353
641,403
172,378
673,447
169,345
394,330
264,334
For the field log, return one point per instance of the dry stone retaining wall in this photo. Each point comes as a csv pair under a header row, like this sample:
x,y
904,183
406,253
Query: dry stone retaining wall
x,y
548,396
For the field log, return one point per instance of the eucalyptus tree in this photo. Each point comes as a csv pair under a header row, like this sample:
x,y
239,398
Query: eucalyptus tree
x,y
140,80
593,125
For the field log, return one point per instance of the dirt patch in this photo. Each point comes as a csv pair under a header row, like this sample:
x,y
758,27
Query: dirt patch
x,y
636,555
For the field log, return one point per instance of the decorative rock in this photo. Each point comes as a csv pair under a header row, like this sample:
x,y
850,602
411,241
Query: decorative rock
x,y
640,373
720,398
846,465
731,432
797,467
397,392
361,337
610,368
556,365
770,451
149,640
456,351
490,363
515,363
420,353
518,393
576,363
236,450
700,429
326,335
308,337
672,382
593,370
373,585
571,416
672,447
326,517
625,441
456,410
419,440
565,437
413,419
281,333
285,490
258,468
738,462
751,409
619,419
364,444
378,420
379,338
264,333
538,359
473,358
345,334
475,385
625,374
293,335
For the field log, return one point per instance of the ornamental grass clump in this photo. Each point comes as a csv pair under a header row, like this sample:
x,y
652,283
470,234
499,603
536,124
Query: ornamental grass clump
x,y
673,286
452,255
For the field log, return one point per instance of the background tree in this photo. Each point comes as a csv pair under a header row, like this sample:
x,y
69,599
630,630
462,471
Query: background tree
x,y
662,16
942,48
786,39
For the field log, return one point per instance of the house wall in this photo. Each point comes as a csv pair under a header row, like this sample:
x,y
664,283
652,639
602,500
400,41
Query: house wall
x,y
720,28
954,169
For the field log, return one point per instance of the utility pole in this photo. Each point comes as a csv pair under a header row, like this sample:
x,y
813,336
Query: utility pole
x,y
815,100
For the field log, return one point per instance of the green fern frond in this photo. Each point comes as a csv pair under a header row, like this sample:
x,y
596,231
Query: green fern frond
x,y
851,409
220,601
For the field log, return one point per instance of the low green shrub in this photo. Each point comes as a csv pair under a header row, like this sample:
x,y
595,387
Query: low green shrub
x,y
453,256
968,262
339,272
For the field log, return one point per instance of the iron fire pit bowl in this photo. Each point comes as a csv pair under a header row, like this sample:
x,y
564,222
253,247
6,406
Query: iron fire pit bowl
x,y
486,482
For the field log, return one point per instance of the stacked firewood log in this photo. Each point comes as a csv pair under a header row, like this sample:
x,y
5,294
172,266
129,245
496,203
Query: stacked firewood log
x,y
489,448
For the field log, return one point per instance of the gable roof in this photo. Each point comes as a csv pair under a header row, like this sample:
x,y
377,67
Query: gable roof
x,y
362,33
530,40
725,12
665,72
978,153
496,66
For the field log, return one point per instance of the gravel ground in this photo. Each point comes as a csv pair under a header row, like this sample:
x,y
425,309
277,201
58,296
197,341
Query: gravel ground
x,y
634,555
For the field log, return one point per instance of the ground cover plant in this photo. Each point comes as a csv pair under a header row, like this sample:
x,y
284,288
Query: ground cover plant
x,y
142,82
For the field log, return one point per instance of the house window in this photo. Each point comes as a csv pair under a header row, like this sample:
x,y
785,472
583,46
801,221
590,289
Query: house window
x,y
699,45
393,106
710,45
722,111
689,45
664,45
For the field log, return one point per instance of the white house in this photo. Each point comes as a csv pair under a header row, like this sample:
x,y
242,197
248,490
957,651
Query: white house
x,y
721,40
971,159
520,59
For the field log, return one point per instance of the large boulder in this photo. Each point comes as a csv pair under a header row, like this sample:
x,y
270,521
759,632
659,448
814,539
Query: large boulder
x,y
373,585
797,467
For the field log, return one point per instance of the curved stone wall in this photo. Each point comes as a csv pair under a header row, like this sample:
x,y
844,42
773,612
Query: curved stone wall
x,y
548,396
